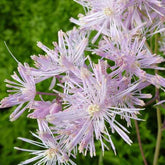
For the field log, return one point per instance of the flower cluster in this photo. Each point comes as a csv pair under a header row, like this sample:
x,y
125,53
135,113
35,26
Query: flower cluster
x,y
87,97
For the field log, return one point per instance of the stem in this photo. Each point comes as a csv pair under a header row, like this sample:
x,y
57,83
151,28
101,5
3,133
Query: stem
x,y
159,122
140,143
150,102
156,43
159,135
100,159
44,93
151,42
148,47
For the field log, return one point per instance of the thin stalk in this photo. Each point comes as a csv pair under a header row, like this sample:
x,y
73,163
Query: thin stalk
x,y
156,43
136,123
148,47
159,132
159,122
150,102
44,93
138,132
140,143
159,136
100,159
151,42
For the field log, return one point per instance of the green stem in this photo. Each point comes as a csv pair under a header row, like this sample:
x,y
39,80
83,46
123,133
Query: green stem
x,y
148,47
156,43
151,42
159,135
100,159
159,122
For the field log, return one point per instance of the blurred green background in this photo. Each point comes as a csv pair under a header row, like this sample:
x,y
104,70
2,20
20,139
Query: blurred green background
x,y
22,24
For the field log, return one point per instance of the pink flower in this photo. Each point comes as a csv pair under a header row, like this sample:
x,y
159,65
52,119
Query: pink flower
x,y
139,11
88,106
42,109
24,91
110,17
51,152
102,15
130,55
67,54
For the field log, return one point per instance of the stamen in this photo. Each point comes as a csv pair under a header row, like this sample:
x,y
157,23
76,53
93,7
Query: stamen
x,y
85,73
51,153
108,11
92,109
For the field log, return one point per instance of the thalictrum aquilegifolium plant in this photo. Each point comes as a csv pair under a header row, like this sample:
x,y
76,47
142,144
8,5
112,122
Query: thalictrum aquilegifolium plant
x,y
89,100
